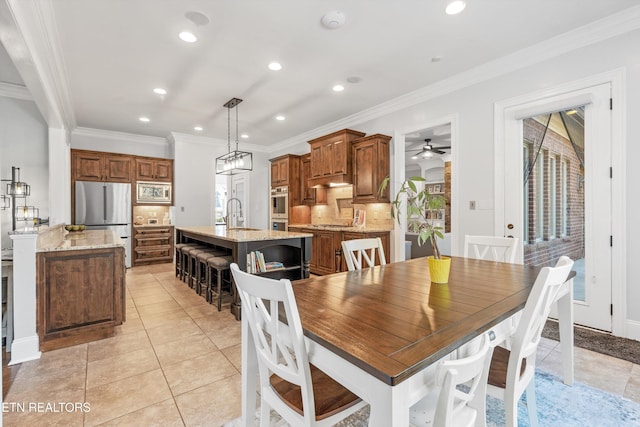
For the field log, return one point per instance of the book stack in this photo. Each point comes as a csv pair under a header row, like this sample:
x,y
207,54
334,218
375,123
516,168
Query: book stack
x,y
257,264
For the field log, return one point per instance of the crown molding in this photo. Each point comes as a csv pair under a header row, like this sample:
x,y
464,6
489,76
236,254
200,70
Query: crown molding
x,y
195,139
611,26
119,136
15,91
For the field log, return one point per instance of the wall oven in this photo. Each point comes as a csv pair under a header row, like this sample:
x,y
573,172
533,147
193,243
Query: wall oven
x,y
279,225
279,203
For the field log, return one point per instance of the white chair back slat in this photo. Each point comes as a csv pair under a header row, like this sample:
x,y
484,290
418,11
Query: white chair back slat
x,y
492,248
355,250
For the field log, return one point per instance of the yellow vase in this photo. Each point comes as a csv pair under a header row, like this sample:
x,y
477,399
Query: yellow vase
x,y
439,269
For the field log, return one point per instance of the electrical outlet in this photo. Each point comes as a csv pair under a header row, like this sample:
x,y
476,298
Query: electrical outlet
x,y
472,205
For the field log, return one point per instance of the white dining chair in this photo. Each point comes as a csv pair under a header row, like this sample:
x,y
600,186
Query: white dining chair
x,y
301,393
493,248
459,396
512,371
355,250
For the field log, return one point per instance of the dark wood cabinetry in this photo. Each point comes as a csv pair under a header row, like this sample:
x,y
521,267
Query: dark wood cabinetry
x,y
97,166
150,169
384,236
331,157
80,295
285,172
370,156
152,244
310,195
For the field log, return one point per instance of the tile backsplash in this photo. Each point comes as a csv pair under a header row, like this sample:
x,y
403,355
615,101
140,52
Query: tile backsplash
x,y
142,214
339,210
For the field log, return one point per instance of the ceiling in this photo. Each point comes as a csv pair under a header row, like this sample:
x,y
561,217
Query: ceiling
x,y
112,55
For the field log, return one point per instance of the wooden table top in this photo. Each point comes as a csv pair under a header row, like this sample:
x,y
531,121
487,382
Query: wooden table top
x,y
391,321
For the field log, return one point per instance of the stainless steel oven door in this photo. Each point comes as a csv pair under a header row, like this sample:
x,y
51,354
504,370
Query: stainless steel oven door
x,y
280,206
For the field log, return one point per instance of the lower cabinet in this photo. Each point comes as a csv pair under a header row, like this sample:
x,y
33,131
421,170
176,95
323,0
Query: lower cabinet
x,y
326,248
152,244
80,295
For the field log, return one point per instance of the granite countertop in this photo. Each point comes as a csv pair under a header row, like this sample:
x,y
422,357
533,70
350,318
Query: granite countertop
x,y
338,227
88,239
242,234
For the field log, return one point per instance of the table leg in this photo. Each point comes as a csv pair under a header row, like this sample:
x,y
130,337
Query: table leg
x,y
565,327
249,376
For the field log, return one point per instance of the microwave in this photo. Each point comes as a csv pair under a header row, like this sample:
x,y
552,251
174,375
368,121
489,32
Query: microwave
x,y
153,192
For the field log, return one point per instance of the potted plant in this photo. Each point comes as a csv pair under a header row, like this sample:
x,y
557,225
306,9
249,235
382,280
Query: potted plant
x,y
422,210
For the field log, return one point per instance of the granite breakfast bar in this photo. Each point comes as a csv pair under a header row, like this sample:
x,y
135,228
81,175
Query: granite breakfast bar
x,y
290,248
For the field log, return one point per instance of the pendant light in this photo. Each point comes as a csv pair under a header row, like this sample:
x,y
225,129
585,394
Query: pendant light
x,y
234,162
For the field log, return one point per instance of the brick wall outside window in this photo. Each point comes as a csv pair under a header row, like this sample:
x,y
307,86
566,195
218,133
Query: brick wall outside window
x,y
545,249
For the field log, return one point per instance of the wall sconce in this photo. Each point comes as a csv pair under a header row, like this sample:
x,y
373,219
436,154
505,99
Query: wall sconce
x,y
5,202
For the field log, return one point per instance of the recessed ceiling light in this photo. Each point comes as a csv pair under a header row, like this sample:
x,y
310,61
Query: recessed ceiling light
x,y
198,128
144,119
280,118
354,79
455,7
333,19
414,157
160,91
188,36
244,135
338,88
275,66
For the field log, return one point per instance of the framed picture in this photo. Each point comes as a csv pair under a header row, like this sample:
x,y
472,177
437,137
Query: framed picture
x,y
436,188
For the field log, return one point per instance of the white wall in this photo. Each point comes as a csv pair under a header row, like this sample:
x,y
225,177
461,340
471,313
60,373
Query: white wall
x,y
473,107
24,144
120,142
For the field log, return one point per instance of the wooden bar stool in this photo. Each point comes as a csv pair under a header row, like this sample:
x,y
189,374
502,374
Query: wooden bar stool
x,y
202,267
179,247
188,260
220,265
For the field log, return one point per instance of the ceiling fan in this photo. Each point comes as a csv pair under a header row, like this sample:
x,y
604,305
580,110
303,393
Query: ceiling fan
x,y
428,150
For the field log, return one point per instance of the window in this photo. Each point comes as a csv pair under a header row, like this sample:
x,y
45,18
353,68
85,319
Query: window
x,y
563,198
539,190
221,199
553,195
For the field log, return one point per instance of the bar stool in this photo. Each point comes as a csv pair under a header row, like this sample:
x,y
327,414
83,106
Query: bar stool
x,y
188,260
179,247
220,265
202,268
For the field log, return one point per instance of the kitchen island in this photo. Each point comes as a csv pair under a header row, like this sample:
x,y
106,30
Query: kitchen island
x,y
80,279
292,249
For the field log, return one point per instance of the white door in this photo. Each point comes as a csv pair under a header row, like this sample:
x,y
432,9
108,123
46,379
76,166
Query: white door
x,y
238,209
592,289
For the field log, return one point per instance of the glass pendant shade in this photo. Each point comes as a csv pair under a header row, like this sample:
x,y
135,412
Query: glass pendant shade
x,y
26,213
5,203
19,189
236,161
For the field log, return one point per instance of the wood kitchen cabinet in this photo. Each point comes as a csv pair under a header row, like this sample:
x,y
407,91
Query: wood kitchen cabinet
x,y
310,195
350,235
331,157
152,169
152,244
80,295
98,166
325,246
370,156
285,172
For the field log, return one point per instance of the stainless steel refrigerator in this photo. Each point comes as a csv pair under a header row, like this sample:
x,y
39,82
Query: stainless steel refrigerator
x,y
106,205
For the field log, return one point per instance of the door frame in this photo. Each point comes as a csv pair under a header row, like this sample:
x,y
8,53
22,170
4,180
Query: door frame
x,y
398,176
503,119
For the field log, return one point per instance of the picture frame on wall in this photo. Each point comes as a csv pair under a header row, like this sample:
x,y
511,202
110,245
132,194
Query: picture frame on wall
x,y
436,188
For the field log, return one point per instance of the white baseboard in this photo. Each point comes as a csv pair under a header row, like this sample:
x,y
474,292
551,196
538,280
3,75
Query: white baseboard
x,y
25,349
633,329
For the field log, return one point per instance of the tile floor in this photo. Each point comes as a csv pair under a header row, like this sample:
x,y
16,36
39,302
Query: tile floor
x,y
176,362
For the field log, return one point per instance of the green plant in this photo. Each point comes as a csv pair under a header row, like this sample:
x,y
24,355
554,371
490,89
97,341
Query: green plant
x,y
422,207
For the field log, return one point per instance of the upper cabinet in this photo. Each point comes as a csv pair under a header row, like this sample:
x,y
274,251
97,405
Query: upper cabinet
x,y
310,195
331,158
150,169
97,166
285,172
370,156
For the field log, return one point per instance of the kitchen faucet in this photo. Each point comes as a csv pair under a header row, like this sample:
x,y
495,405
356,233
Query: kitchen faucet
x,y
226,218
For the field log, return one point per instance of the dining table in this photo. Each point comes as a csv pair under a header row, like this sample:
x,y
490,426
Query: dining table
x,y
380,331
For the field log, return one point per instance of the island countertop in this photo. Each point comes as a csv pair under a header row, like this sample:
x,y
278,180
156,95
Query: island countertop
x,y
88,239
241,234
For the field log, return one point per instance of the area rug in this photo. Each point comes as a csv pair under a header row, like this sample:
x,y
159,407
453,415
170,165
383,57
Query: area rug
x,y
558,405
600,342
